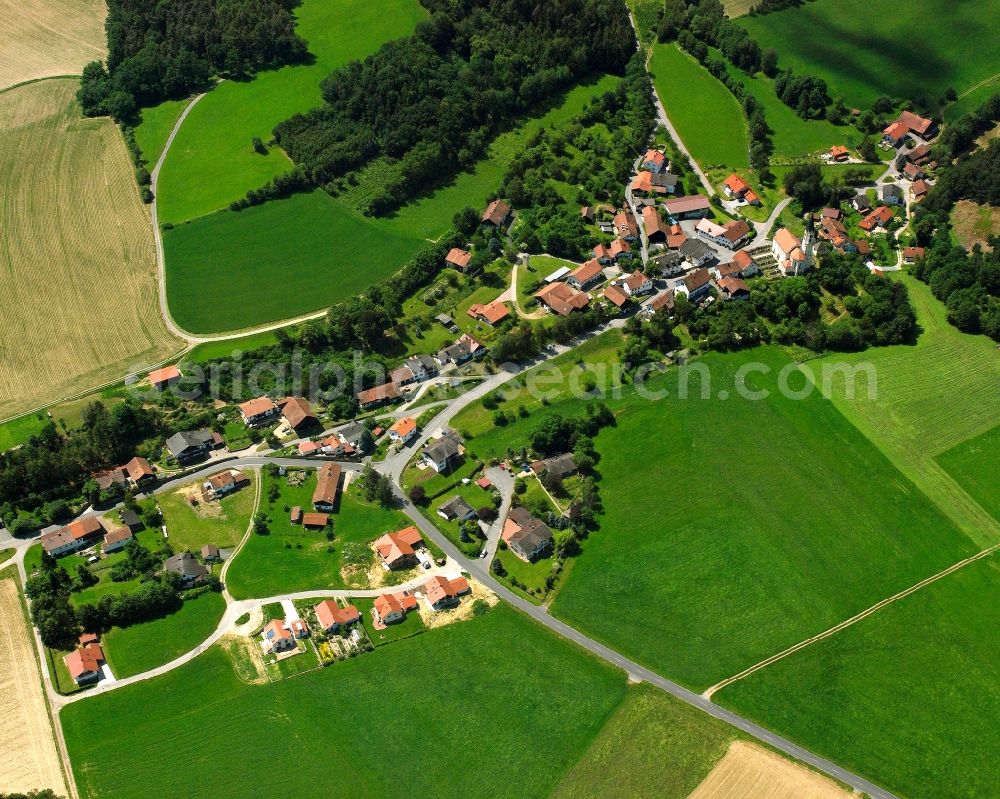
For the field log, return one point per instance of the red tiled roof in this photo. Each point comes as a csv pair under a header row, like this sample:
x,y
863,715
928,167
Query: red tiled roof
x,y
315,519
458,257
655,157
138,468
378,393
491,313
296,410
164,375
736,184
329,613
257,407
562,298
586,272
404,427
615,295
496,212
327,484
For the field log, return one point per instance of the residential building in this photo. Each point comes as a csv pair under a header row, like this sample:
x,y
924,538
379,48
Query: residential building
x,y
880,217
443,593
895,134
398,550
391,608
919,155
669,264
224,483
422,367
697,253
258,411
603,254
620,250
332,617
352,432
585,275
497,214
562,299
161,379
839,153
912,123
491,314
186,566
526,536
557,466
637,284
748,267
458,258
696,285
465,349
652,184
139,472
297,413
111,481
189,445
587,214
456,508
625,225
130,519
74,536
913,254
210,554
832,213
913,172
731,235
378,395
615,296
861,203
694,206
116,539
277,637
733,288
675,237
656,229
444,454
404,430
662,303
327,487
919,190
654,161
84,664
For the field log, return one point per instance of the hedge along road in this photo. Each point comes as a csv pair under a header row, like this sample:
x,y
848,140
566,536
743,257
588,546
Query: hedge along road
x,y
161,264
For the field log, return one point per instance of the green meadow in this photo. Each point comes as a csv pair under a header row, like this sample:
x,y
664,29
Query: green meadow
x,y
428,716
221,523
975,465
227,348
708,118
908,697
864,49
18,431
152,133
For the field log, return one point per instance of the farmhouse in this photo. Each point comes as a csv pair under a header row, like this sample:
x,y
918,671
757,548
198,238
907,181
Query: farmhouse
x,y
378,395
696,285
912,123
733,288
656,229
736,188
210,554
332,617
895,134
258,411
694,206
442,592
398,550
585,275
654,161
188,445
497,214
912,254
404,429
651,184
625,226
224,483
161,379
491,314
116,539
327,487
111,480
620,250
615,296
73,536
880,217
84,664
602,254
297,413
464,349
919,190
637,284
392,608
731,235
662,303
562,299
839,153
186,566
277,637
458,258
139,472
456,508
526,536
696,252
919,155
443,455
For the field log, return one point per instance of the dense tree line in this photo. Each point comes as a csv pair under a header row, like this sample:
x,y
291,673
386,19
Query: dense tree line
x,y
961,134
806,94
158,49
431,103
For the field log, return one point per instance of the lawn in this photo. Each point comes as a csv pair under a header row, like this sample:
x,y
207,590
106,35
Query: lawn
x,y
152,132
816,524
285,258
908,697
18,431
931,397
145,646
864,50
222,523
975,465
212,161
450,732
707,117
292,558
410,626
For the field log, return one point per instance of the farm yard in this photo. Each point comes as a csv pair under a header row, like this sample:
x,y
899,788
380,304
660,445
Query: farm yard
x,y
913,684
31,760
425,680
45,38
78,212
865,50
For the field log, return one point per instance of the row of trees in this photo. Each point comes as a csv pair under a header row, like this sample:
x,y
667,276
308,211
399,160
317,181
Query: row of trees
x,y
431,103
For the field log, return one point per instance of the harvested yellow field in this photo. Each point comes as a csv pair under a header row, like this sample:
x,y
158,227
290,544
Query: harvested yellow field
x,y
737,8
42,38
28,755
751,772
79,290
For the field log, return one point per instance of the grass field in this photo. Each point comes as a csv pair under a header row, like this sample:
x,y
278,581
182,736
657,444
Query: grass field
x,y
145,646
410,626
292,558
19,430
974,224
450,733
931,397
210,350
864,50
971,99
222,523
275,261
707,116
975,465
157,122
916,683
42,38
79,288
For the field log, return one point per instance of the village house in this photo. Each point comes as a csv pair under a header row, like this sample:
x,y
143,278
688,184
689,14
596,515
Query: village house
x,y
161,379
490,314
378,395
401,376
603,254
139,472
332,617
130,519
116,539
189,445
676,237
625,226
861,203
111,481
620,250
637,284
832,213
587,214
694,206
669,264
585,275
297,413
662,303
615,296
224,483
912,123
456,509
912,254
695,286
656,229
557,466
422,367
404,430
75,535
839,153
733,288
186,566
736,188
258,411
895,134
391,609
697,253
458,258
398,550
465,349
352,432
327,487
527,537
919,190
443,454
84,664
654,160
497,214
742,266
652,184
210,554
562,299
880,217
443,593
731,235
919,155
277,637
913,172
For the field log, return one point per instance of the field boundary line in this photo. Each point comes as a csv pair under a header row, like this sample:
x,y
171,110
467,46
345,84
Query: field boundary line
x,y
852,620
29,81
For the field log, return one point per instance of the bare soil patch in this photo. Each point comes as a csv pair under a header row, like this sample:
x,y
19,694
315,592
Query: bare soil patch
x,y
248,662
28,755
974,223
463,612
749,771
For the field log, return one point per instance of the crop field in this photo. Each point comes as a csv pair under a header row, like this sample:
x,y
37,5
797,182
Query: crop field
x,y
30,760
285,258
864,50
931,397
917,683
222,523
212,161
338,715
705,113
79,288
44,38
975,465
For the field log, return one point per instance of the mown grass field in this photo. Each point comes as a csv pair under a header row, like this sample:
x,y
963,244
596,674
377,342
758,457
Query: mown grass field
x,y
19,430
145,646
285,258
222,523
228,348
421,731
42,38
79,289
707,116
975,465
908,696
212,161
864,50
931,397
971,99
152,133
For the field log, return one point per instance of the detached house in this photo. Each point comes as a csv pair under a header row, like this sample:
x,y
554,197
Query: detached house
x,y
458,258
74,536
731,235
297,413
656,229
654,161
392,609
697,253
456,508
188,445
332,617
161,379
398,550
527,537
880,217
637,284
562,299
84,664
277,637
139,472
497,214
186,566
444,454
585,275
404,430
733,288
625,226
736,188
378,395
258,411
224,483
839,153
603,254
696,285
327,487
491,314
444,593
465,349
620,250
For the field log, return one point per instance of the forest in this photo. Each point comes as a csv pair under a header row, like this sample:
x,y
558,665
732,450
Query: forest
x,y
160,49
432,102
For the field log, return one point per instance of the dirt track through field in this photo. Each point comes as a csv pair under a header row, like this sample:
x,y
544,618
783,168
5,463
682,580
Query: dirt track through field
x,y
750,772
42,38
76,251
28,756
